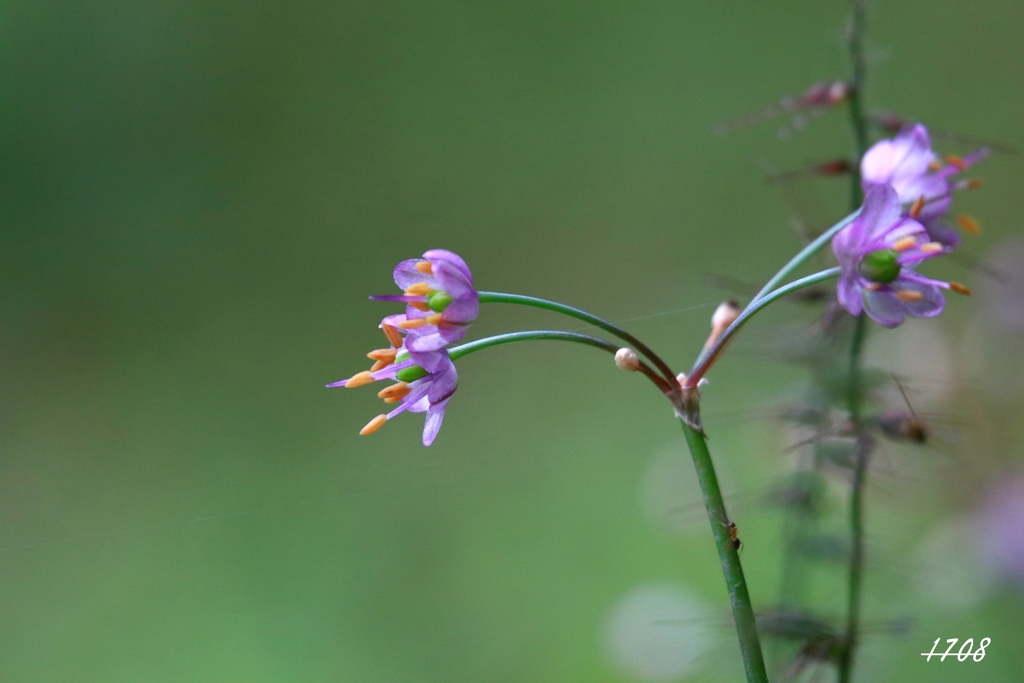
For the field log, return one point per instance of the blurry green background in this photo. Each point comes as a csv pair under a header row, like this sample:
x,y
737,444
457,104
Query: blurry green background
x,y
195,200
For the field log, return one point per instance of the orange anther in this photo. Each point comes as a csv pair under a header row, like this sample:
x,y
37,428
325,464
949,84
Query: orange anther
x,y
386,354
359,379
400,389
909,295
915,210
378,365
419,289
419,305
968,224
434,319
954,160
904,243
974,183
373,425
934,166
412,323
960,289
394,338
932,248
425,267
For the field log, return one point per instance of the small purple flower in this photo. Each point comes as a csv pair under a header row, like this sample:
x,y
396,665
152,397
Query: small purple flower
x,y
877,253
424,381
442,302
908,163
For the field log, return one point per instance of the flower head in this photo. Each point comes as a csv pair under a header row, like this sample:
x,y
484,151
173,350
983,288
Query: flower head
x,y
877,253
441,301
920,178
424,381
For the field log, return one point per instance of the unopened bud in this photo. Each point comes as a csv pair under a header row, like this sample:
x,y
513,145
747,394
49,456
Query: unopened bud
x,y
626,359
724,315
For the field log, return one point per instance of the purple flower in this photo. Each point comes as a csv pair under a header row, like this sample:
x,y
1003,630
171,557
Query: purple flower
x,y
909,165
424,381
442,302
877,253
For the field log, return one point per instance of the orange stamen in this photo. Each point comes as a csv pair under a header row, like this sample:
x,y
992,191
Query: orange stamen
x,y
394,338
909,295
954,160
412,323
419,305
915,210
359,379
378,365
419,289
904,243
373,425
974,183
934,166
387,355
932,248
400,389
968,224
392,399
434,319
872,286
960,289
425,267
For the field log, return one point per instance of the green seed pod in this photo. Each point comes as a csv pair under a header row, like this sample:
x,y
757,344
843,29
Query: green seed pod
x,y
880,266
439,301
411,374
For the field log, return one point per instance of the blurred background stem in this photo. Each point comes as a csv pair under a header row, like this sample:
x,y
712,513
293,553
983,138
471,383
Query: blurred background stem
x,y
854,397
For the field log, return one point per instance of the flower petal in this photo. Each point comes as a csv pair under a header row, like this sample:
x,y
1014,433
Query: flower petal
x,y
438,256
849,295
435,415
406,275
929,306
883,307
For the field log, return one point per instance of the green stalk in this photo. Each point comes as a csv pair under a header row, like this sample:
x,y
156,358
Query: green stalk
x,y
498,297
806,253
854,398
548,335
735,582
739,596
856,575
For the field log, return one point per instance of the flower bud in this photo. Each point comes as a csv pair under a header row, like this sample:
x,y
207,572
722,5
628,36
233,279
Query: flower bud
x,y
626,359
724,315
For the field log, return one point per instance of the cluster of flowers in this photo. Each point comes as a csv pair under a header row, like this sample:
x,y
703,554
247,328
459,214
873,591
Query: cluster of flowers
x,y
441,304
907,192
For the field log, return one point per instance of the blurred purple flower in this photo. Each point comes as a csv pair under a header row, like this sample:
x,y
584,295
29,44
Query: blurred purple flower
x,y
441,301
1001,527
908,163
424,381
877,253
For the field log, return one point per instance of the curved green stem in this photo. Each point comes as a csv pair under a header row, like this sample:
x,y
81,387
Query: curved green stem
x,y
805,254
498,297
707,360
541,335
739,596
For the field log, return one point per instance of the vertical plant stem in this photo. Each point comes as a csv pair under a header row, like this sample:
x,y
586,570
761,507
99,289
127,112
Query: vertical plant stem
x,y
857,119
739,596
855,392
860,471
